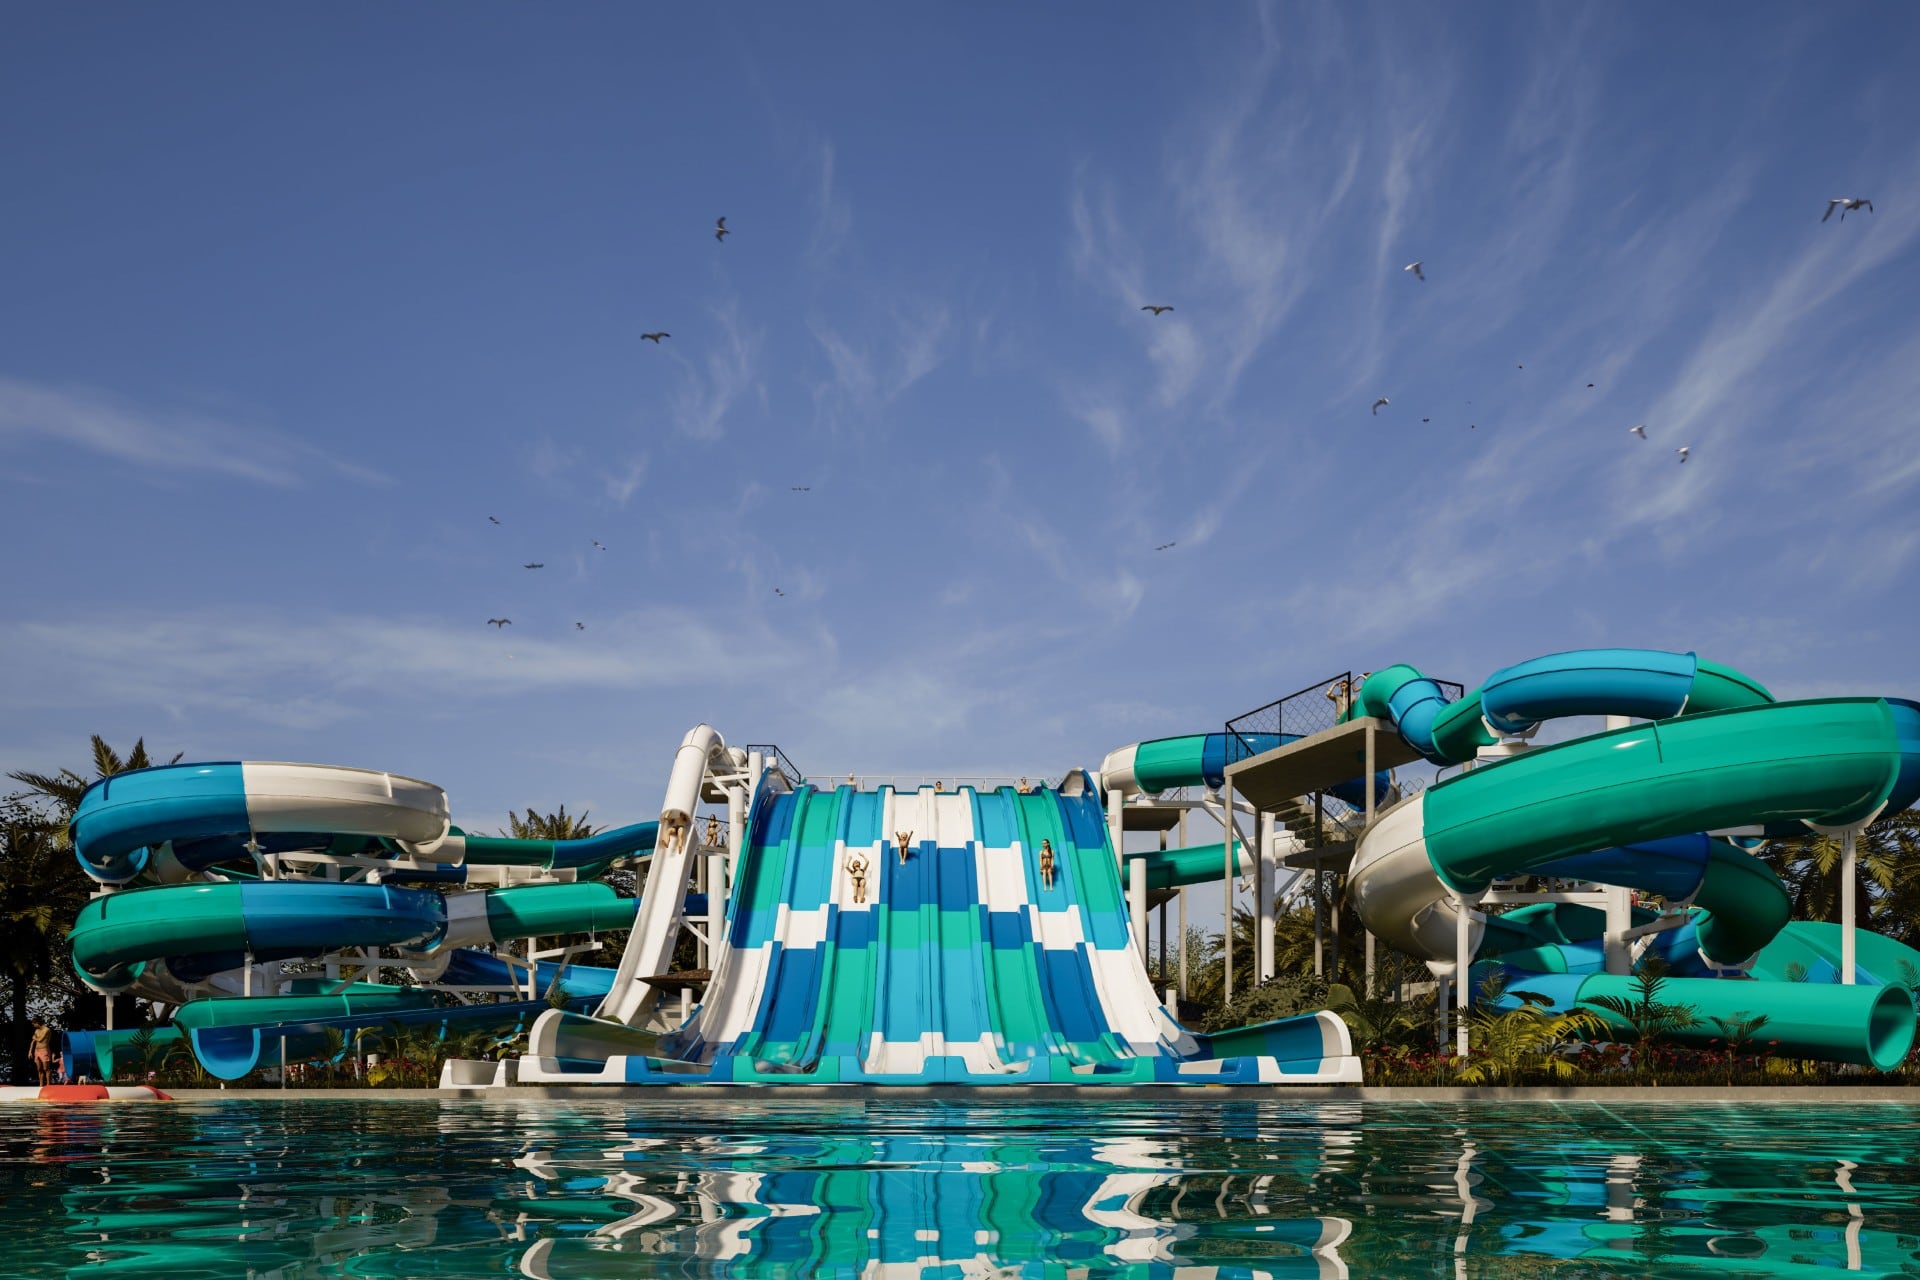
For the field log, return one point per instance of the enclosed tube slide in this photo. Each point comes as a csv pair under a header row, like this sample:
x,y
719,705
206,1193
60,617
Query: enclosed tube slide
x,y
1627,807
1200,760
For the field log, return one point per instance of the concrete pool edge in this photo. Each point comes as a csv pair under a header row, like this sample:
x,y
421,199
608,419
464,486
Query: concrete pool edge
x,y
733,1095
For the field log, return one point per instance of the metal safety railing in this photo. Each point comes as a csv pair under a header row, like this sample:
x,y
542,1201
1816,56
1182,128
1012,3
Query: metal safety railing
x,y
1320,706
775,757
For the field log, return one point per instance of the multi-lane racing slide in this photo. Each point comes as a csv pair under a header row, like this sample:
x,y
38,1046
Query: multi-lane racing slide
x,y
912,938
1634,807
210,878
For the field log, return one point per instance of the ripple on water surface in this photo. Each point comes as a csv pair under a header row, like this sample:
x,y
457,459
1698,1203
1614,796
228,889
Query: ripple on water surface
x,y
752,1187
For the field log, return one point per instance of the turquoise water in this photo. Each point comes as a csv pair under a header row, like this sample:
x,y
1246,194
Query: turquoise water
x,y
894,1189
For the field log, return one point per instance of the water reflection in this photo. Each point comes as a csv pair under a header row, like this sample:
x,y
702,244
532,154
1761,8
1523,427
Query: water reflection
x,y
750,1187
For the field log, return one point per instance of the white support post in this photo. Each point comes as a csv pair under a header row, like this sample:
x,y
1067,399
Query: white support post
x,y
1116,827
1226,823
1137,903
1263,887
1319,896
1183,912
1619,918
716,904
1462,967
1163,920
1848,878
1368,934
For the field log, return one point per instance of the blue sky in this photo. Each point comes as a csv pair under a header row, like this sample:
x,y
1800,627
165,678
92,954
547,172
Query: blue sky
x,y
292,300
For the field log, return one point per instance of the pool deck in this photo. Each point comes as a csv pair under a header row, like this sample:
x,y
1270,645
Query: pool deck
x,y
1199,1095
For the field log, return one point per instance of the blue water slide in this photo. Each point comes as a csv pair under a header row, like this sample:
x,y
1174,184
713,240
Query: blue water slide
x,y
120,817
1648,683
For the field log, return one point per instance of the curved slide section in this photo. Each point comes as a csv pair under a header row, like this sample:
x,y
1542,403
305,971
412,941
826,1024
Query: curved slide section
x,y
121,819
1627,806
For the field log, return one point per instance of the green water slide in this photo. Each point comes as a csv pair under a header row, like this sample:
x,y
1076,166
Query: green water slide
x,y
1627,807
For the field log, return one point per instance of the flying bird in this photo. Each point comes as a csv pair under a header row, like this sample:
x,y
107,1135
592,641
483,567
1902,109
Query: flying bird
x,y
1640,430
801,488
1846,205
777,591
494,519
499,622
599,544
1418,274
1155,310
1589,386
720,231
654,338
541,565
1426,419
1519,366
1376,405
1166,546
1683,451
579,626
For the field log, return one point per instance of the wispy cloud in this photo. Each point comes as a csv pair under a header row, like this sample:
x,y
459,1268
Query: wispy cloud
x,y
832,213
866,378
624,482
318,670
713,386
178,441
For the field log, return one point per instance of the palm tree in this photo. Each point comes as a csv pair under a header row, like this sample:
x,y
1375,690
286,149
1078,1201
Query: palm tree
x,y
49,891
41,890
1888,867
65,788
558,825
1503,1043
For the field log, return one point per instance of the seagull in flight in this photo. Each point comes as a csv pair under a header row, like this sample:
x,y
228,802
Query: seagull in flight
x,y
541,565
777,591
599,544
499,622
1154,309
654,338
1418,274
579,626
1589,386
801,488
1683,451
1846,205
1640,430
1166,546
1376,405
1426,419
494,519
720,231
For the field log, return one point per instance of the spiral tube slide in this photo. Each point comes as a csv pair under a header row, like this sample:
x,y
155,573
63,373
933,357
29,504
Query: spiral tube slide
x,y
1627,807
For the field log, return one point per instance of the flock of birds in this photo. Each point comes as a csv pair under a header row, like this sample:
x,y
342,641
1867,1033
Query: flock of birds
x,y
1844,204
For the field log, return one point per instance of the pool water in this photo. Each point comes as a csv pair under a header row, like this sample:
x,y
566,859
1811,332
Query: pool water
x,y
751,1187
